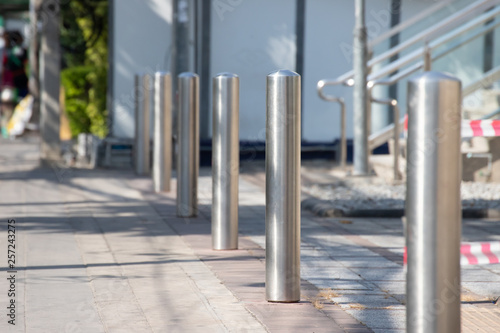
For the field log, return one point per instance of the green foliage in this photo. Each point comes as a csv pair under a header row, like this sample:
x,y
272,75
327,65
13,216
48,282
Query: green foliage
x,y
97,101
72,40
76,98
84,38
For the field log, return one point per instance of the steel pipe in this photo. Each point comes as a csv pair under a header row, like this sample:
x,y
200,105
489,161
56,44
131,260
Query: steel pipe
x,y
396,132
143,86
360,101
188,145
429,34
225,161
343,140
162,132
433,208
283,187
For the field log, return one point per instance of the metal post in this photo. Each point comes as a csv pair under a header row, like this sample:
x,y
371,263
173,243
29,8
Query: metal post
x,y
283,187
397,133
361,101
343,140
433,204
162,136
181,36
225,161
143,87
427,58
180,49
394,104
34,78
188,145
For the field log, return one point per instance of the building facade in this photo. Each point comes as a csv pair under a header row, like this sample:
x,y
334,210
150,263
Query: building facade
x,y
253,38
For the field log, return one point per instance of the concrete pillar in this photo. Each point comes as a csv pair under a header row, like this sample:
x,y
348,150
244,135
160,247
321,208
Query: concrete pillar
x,y
34,78
50,73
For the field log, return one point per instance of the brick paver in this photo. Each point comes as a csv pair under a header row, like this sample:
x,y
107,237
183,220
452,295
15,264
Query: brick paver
x,y
97,251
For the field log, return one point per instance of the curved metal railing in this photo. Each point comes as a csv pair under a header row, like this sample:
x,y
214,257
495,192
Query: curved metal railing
x,y
434,37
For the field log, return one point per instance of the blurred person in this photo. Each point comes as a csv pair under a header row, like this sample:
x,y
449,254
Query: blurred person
x,y
13,81
2,46
14,62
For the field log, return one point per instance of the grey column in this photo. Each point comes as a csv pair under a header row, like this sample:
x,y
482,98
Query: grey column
x,y
181,16
433,208
188,145
360,100
162,133
143,87
50,112
225,161
110,85
283,187
34,75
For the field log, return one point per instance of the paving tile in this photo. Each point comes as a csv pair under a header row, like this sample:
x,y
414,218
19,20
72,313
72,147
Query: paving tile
x,y
108,254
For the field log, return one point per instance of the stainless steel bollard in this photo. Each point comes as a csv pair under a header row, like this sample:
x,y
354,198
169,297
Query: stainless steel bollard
x,y
225,161
433,206
361,113
143,87
162,132
188,145
283,187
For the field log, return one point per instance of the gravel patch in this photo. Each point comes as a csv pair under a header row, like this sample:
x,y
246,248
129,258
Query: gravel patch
x,y
343,196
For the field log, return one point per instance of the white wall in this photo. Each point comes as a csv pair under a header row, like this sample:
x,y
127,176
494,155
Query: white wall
x,y
252,42
142,45
328,54
252,38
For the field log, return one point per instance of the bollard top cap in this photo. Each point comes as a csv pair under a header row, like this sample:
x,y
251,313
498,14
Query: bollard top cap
x,y
188,74
283,72
161,73
226,74
434,76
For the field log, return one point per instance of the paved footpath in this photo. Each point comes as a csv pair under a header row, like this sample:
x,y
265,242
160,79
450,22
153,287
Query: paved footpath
x,y
98,251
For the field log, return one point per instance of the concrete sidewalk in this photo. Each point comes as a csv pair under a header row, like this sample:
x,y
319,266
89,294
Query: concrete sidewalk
x,y
98,251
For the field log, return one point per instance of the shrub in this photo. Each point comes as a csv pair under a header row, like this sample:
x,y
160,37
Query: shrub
x,y
84,41
85,99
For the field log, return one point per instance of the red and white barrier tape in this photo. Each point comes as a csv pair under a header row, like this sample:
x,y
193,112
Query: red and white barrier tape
x,y
480,253
476,253
487,128
471,128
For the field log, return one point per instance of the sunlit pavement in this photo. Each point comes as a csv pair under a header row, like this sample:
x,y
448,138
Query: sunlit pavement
x,y
98,251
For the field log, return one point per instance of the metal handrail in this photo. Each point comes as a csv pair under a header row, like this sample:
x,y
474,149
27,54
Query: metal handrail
x,y
396,132
425,52
408,23
491,76
418,53
396,129
485,29
487,79
343,139
491,115
426,35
